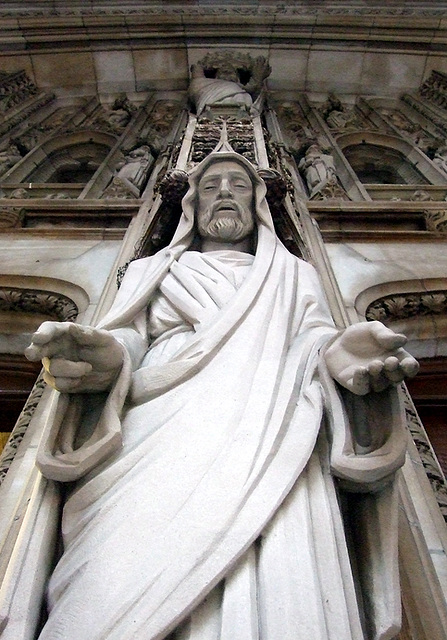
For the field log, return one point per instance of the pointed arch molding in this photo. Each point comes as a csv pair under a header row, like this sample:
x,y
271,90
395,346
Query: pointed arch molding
x,y
410,152
54,153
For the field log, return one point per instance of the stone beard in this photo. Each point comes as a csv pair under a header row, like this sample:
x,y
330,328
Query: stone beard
x,y
205,507
229,228
225,203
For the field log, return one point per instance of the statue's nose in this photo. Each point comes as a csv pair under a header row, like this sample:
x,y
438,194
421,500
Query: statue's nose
x,y
225,188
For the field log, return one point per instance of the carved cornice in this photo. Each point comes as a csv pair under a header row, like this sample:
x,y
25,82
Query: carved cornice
x,y
298,7
44,26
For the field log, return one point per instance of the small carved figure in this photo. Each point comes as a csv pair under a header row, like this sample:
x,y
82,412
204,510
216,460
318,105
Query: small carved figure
x,y
318,169
20,194
9,157
440,157
134,167
119,115
226,87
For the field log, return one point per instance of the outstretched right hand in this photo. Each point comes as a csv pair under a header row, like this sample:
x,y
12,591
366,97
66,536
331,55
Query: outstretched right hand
x,y
76,359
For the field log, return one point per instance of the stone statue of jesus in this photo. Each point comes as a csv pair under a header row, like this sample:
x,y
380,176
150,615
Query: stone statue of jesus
x,y
202,502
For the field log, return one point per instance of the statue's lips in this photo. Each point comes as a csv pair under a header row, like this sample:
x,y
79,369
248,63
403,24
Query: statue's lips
x,y
227,208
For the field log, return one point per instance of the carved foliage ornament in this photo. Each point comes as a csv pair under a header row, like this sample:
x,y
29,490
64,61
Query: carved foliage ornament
x,y
436,220
54,305
14,89
399,307
299,7
434,89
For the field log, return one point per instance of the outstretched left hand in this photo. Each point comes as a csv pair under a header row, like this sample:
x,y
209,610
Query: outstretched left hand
x,y
369,357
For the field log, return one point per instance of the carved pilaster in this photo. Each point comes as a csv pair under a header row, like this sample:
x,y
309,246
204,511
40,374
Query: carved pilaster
x,y
425,451
8,454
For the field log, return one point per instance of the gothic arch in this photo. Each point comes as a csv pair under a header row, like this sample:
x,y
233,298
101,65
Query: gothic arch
x,y
386,159
71,157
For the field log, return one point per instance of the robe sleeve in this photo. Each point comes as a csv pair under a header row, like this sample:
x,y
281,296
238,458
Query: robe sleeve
x,y
83,430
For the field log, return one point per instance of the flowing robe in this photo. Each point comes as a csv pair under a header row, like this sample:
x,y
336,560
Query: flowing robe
x,y
217,518
210,91
205,466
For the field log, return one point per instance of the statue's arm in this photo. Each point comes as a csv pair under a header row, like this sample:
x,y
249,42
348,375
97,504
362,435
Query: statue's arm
x,y
369,357
260,71
76,359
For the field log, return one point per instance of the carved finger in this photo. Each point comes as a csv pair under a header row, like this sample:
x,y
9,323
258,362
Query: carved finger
x,y
410,366
360,381
379,383
391,364
89,337
387,338
66,385
392,370
50,331
375,368
33,353
59,367
49,379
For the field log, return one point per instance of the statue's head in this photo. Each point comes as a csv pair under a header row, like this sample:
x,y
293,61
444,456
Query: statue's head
x,y
225,201
226,196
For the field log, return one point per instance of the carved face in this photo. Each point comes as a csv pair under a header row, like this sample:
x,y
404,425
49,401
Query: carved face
x,y
225,202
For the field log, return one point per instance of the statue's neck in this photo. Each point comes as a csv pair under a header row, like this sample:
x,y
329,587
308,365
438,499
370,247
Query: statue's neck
x,y
245,245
